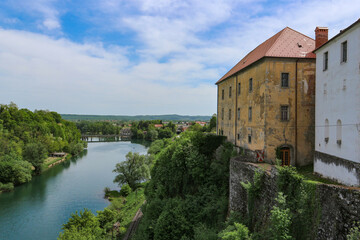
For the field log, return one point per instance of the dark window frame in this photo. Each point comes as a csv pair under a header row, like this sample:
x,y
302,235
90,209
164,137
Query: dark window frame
x,y
250,114
325,61
222,113
239,89
344,52
222,94
250,84
230,92
285,83
229,113
285,115
238,113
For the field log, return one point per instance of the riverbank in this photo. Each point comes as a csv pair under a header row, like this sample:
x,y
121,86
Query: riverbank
x,y
60,191
52,161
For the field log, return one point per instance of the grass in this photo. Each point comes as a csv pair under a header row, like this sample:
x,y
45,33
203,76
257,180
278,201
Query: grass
x,y
128,206
308,173
51,160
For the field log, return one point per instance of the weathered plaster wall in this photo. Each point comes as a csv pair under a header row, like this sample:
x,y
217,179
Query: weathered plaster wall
x,y
224,123
279,133
340,206
255,100
266,98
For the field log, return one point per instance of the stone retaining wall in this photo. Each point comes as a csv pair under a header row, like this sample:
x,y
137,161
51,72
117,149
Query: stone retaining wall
x,y
340,206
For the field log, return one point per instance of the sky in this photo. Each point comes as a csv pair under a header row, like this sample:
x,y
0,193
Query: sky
x,y
132,57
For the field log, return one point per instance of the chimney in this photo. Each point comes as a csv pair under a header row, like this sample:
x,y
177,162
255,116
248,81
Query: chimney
x,y
321,36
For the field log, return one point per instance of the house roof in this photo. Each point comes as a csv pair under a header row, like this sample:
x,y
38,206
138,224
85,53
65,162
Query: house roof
x,y
287,43
340,33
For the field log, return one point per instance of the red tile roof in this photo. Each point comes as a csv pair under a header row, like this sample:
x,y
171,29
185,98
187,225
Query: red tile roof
x,y
287,43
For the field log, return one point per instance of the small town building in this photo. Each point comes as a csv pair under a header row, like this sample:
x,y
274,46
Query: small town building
x,y
337,135
266,102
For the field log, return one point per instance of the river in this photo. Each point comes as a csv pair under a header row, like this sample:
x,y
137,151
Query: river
x,y
37,210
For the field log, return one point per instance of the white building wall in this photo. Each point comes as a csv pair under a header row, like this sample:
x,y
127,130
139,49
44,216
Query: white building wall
x,y
338,97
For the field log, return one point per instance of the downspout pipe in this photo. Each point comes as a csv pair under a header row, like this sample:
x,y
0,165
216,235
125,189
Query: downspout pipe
x,y
236,106
296,111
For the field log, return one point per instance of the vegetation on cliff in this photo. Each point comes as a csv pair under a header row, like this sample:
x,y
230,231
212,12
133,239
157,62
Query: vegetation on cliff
x,y
187,196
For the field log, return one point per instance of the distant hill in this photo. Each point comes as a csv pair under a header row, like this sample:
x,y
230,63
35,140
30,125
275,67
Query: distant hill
x,y
171,117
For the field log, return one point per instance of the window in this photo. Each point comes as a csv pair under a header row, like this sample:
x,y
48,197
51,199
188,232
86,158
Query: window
x,y
222,94
250,85
238,136
239,88
222,114
229,92
250,114
285,80
249,130
284,113
238,113
338,132
229,114
344,51
326,60
326,134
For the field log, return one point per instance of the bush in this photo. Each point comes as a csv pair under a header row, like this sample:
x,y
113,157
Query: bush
x,y
125,190
354,233
236,232
280,220
6,187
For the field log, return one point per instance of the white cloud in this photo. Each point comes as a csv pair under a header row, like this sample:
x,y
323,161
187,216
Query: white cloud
x,y
182,48
40,72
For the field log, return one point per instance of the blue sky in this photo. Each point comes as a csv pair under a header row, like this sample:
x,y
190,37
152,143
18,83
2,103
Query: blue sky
x,y
140,56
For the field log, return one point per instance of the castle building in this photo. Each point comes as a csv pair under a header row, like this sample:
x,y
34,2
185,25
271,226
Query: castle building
x,y
266,102
337,135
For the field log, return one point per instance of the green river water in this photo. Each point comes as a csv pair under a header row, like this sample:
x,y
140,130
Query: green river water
x,y
37,210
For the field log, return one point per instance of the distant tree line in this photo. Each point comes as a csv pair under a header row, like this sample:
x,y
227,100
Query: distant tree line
x,y
99,127
26,140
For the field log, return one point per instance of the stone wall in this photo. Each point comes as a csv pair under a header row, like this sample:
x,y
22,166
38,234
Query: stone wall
x,y
340,206
339,169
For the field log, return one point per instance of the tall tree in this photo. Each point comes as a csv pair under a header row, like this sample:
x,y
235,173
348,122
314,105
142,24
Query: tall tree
x,y
134,170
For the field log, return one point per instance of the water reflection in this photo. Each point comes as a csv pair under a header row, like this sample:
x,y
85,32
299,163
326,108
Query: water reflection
x,y
36,210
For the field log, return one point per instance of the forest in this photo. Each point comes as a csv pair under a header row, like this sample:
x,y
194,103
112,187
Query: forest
x,y
27,138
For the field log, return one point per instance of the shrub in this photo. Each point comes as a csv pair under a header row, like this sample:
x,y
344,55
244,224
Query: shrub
x,y
125,190
236,232
280,220
6,187
354,233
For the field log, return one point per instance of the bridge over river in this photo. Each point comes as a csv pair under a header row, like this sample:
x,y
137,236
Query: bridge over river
x,y
105,138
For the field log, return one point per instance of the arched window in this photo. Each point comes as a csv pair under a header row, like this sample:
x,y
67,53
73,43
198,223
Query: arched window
x,y
326,130
338,132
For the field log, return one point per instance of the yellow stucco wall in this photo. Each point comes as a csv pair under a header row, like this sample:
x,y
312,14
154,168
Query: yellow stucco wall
x,y
266,128
225,124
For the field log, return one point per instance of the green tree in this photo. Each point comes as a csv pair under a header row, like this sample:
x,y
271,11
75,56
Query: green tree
x,y
212,125
83,225
236,232
35,153
165,133
151,135
280,220
134,170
